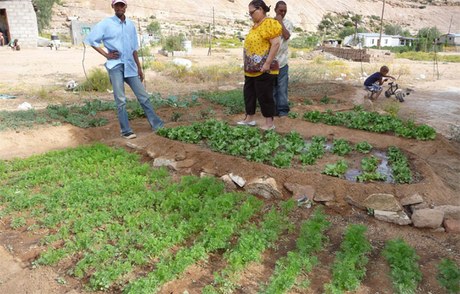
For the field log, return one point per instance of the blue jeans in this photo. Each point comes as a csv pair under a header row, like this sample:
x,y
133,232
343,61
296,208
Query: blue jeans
x,y
118,80
280,92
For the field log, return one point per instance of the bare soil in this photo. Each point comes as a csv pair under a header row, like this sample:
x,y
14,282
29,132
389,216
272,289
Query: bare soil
x,y
436,164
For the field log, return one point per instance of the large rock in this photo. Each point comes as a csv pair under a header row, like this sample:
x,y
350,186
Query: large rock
x,y
265,187
452,225
386,202
428,218
450,211
354,203
411,200
228,182
187,163
169,163
399,217
237,180
300,190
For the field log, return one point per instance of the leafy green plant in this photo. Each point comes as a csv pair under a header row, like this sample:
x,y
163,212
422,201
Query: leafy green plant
x,y
282,159
369,166
372,122
363,147
405,272
341,147
449,275
399,165
337,169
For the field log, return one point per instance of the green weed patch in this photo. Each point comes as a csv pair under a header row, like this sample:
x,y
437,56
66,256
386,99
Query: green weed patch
x,y
114,216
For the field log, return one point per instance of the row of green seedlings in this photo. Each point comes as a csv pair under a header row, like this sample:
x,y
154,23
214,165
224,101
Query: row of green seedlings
x,y
272,148
252,242
291,270
370,121
112,216
405,273
349,269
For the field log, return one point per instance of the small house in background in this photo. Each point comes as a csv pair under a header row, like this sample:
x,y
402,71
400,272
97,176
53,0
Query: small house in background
x,y
18,20
372,39
449,39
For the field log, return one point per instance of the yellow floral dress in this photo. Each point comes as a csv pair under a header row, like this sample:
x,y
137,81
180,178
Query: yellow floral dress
x,y
257,46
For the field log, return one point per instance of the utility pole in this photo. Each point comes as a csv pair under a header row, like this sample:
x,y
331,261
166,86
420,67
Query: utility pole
x,y
381,25
450,24
211,33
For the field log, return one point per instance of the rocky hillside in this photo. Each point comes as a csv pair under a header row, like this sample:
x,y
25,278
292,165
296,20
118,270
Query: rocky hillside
x,y
305,14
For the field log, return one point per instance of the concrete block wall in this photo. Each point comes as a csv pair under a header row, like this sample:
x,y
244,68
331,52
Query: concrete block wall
x,y
364,55
22,22
348,53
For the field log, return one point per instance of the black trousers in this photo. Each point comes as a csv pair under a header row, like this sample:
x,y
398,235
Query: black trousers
x,y
260,89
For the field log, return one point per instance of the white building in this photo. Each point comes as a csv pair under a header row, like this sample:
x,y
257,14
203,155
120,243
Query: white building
x,y
449,39
372,40
19,21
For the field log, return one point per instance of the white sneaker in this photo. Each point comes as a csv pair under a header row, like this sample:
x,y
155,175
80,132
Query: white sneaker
x,y
246,123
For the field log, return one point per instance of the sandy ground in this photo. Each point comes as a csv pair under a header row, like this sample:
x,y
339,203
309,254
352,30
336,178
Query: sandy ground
x,y
39,78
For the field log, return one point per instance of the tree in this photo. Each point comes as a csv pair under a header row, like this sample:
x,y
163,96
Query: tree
x,y
154,28
44,10
426,37
393,29
326,25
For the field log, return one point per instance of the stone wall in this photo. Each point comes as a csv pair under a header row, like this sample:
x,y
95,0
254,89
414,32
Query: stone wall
x,y
22,22
363,55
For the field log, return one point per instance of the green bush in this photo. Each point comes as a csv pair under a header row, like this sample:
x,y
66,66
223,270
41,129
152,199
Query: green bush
x,y
98,80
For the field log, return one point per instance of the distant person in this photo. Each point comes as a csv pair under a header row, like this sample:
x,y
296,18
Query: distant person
x,y
119,36
281,83
14,44
375,81
2,39
260,67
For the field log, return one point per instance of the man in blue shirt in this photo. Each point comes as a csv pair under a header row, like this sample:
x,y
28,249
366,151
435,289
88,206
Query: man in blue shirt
x,y
119,36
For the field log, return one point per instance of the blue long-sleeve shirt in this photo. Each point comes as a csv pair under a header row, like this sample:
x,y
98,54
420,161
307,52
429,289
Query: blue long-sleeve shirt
x,y
117,35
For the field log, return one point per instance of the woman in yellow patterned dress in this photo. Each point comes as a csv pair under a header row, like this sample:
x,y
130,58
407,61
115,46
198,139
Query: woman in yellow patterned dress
x,y
260,66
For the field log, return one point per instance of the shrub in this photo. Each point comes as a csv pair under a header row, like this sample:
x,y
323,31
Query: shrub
x,y
97,80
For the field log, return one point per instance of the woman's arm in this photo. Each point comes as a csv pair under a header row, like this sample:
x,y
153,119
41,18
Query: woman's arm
x,y
274,46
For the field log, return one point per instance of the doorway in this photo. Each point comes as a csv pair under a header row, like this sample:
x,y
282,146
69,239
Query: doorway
x,y
4,28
